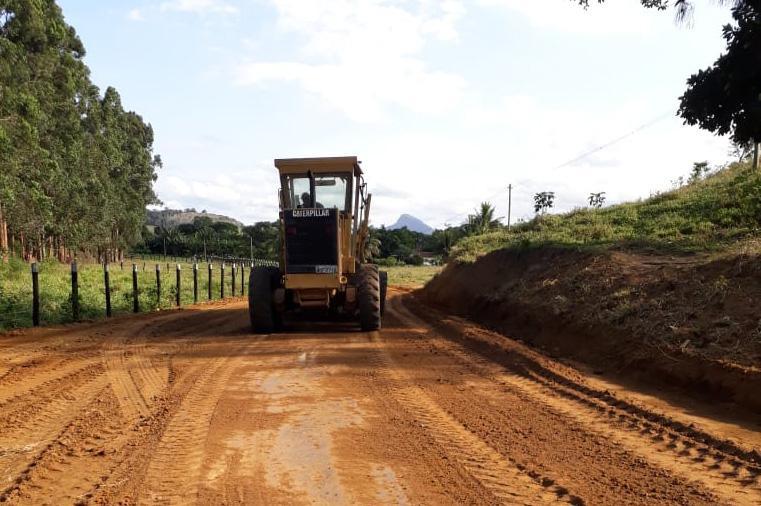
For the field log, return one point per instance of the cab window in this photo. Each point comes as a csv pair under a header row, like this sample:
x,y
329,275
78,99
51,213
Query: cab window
x,y
330,191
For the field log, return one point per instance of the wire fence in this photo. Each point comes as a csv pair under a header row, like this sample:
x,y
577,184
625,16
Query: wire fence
x,y
50,293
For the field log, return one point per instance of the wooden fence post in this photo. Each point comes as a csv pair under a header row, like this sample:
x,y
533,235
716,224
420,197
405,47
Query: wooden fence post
x,y
210,278
35,295
242,279
179,299
135,300
222,281
195,283
158,285
107,283
74,291
233,278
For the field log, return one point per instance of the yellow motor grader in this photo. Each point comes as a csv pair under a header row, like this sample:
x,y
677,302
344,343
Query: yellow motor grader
x,y
324,232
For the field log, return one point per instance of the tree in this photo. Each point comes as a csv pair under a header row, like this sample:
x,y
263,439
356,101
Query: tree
x,y
76,169
543,201
725,98
683,7
597,200
483,221
372,248
699,170
741,151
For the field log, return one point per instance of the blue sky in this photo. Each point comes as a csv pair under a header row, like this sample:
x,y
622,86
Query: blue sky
x,y
446,102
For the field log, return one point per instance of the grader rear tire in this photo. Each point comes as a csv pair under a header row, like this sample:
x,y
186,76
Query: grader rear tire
x,y
383,290
369,297
260,307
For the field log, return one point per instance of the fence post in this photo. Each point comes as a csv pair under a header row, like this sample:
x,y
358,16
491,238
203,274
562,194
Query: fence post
x,y
195,283
179,298
35,295
222,281
232,275
210,278
135,300
74,291
107,283
158,285
121,264
242,279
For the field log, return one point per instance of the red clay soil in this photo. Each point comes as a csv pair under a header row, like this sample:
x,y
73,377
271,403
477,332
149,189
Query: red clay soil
x,y
189,407
687,321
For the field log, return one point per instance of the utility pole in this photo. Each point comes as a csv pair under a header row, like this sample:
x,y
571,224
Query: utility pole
x,y
509,203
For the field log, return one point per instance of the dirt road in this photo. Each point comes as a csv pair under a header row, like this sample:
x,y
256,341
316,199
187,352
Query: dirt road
x,y
187,407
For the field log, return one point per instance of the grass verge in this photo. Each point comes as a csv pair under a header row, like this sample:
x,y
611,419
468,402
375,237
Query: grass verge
x,y
410,276
55,290
707,215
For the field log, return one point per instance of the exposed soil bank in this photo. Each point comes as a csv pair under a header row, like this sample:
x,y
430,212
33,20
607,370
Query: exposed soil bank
x,y
689,321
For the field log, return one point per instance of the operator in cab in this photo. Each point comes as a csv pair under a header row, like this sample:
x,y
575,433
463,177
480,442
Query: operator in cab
x,y
306,202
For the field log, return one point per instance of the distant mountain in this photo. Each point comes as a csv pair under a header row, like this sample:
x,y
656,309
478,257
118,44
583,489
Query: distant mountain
x,y
412,223
174,217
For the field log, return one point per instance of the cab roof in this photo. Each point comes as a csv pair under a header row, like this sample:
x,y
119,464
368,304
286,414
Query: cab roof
x,y
317,165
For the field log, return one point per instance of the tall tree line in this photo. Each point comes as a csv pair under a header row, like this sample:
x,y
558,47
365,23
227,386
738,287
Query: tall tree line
x,y
76,169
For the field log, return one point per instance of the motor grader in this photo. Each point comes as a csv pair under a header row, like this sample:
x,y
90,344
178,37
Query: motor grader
x,y
324,233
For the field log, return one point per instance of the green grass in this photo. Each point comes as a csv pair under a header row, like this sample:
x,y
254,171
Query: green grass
x,y
410,275
708,215
55,290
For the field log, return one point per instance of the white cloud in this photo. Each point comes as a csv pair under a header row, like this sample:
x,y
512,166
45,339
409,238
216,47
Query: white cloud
x,y
135,15
362,57
246,195
200,6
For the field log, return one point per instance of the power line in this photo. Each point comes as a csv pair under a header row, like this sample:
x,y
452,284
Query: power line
x,y
580,157
615,141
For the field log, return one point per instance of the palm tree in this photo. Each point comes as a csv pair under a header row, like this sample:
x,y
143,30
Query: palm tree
x,y
372,248
483,220
205,234
174,238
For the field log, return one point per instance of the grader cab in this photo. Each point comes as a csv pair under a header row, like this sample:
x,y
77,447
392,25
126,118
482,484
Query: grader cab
x,y
324,231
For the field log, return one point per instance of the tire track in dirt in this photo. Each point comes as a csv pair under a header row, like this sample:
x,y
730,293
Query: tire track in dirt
x,y
308,419
38,412
55,366
21,449
189,346
137,379
496,473
728,471
41,378
173,473
88,444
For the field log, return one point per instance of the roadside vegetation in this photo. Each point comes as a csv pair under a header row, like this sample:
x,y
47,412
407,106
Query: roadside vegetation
x,y
55,290
76,166
411,276
205,237
707,213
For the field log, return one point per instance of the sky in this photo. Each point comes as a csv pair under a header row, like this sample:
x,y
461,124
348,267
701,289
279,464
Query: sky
x,y
445,102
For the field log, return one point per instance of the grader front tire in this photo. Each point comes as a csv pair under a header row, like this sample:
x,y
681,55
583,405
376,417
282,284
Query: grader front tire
x,y
369,297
